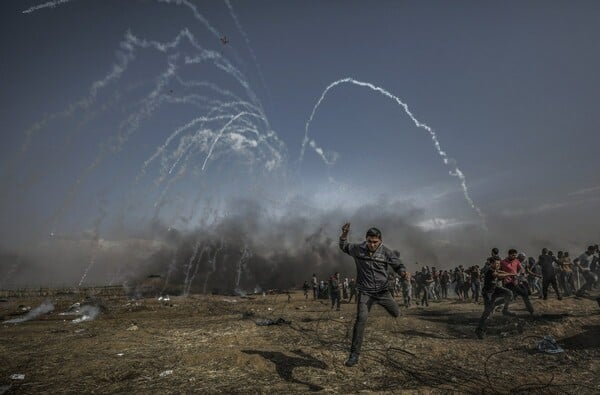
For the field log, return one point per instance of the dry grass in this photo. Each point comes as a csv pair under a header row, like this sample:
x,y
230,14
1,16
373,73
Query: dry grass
x,y
213,345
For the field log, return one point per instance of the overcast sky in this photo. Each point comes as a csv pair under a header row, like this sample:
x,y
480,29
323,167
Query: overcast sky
x,y
92,89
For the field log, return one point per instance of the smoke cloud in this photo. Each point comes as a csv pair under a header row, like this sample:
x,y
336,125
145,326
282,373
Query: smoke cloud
x,y
44,308
248,246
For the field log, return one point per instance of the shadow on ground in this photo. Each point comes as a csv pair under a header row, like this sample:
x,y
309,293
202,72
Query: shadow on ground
x,y
584,340
285,365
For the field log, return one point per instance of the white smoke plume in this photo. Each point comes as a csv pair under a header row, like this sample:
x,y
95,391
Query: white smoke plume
x,y
50,4
44,308
87,313
455,171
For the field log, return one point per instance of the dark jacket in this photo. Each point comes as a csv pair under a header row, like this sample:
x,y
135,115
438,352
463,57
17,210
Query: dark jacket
x,y
372,276
546,262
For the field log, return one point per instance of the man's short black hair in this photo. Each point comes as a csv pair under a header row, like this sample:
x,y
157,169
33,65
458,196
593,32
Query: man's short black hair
x,y
374,232
512,251
495,251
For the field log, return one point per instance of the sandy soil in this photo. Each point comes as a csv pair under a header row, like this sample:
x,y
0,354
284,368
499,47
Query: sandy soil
x,y
212,344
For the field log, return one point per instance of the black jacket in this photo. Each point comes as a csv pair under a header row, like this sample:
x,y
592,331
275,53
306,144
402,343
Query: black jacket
x,y
372,271
546,262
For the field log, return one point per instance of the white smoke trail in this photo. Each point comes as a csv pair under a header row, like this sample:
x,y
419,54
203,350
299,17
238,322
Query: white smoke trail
x,y
243,33
228,68
220,134
197,258
199,120
128,45
197,15
151,102
172,267
44,308
223,92
92,261
455,171
213,263
87,312
242,265
50,4
117,70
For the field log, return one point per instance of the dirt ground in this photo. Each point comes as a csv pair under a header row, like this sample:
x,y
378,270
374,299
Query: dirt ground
x,y
213,344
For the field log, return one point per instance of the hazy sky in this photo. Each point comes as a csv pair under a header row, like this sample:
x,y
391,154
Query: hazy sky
x,y
91,90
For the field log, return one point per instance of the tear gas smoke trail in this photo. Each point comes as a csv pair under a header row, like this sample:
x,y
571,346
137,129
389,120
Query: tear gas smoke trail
x,y
197,258
50,4
242,264
44,308
172,267
223,92
228,68
95,245
199,120
197,14
212,147
455,171
198,262
213,263
151,105
189,266
243,33
87,269
117,71
128,45
238,140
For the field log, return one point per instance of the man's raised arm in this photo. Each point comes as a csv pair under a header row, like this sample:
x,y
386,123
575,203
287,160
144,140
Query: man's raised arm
x,y
344,245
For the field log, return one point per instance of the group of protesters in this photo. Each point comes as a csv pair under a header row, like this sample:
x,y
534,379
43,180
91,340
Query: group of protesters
x,y
519,276
498,282
565,276
334,288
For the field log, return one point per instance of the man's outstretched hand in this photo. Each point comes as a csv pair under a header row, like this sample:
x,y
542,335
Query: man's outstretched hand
x,y
345,230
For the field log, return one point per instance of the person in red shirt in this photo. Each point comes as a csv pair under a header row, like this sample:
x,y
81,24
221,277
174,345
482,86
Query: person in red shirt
x,y
511,265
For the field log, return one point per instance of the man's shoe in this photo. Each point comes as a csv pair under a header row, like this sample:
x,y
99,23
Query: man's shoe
x,y
352,360
560,298
508,313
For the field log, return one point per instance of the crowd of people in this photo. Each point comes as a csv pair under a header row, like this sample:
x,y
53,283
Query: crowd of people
x,y
381,277
534,277
498,282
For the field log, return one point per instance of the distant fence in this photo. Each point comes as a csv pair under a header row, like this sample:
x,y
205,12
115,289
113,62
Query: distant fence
x,y
46,291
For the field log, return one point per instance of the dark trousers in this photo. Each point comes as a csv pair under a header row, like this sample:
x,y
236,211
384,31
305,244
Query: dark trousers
x,y
491,300
315,292
425,298
352,294
590,279
444,290
363,307
335,298
476,287
523,292
570,283
546,282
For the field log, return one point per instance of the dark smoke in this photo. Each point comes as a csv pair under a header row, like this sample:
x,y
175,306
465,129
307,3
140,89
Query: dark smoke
x,y
284,249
